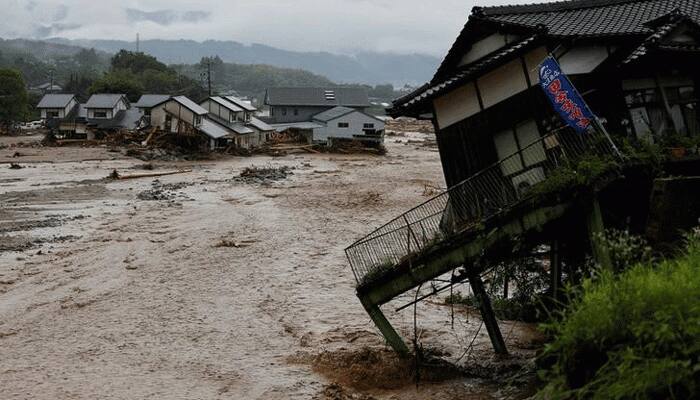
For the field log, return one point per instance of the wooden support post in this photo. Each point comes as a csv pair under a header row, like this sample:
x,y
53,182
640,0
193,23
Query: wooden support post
x,y
388,331
555,269
596,232
487,314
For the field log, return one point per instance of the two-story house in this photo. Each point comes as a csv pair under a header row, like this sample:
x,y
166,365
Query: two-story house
x,y
290,105
56,106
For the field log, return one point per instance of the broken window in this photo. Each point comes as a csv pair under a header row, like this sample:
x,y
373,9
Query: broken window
x,y
655,113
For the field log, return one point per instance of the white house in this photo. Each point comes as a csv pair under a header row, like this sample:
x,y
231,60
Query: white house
x,y
237,116
56,105
347,123
106,106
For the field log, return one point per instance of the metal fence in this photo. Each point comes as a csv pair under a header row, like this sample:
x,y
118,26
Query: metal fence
x,y
473,201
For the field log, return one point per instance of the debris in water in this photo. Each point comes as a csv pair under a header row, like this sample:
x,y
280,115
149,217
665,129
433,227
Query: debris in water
x,y
264,175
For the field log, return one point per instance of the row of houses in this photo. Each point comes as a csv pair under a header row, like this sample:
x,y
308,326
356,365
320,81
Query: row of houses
x,y
317,114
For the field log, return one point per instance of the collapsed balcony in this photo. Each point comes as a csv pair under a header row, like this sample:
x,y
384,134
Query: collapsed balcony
x,y
518,194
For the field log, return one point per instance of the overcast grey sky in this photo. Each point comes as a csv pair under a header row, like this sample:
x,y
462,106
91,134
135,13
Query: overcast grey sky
x,y
339,26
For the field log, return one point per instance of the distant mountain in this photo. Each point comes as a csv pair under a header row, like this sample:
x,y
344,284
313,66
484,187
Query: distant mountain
x,y
367,67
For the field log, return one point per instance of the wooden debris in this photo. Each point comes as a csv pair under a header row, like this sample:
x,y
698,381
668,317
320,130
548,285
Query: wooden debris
x,y
117,175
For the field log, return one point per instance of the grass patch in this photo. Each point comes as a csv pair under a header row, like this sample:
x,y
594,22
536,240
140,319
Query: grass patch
x,y
635,335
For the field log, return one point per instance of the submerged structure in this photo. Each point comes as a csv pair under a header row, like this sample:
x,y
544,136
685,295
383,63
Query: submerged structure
x,y
519,178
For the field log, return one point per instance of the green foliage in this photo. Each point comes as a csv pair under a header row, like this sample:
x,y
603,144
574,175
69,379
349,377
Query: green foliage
x,y
626,249
135,74
13,97
137,63
635,335
581,173
120,81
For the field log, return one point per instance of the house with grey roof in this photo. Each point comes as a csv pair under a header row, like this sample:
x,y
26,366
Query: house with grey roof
x,y
347,123
504,146
636,63
56,106
106,105
247,131
290,105
188,121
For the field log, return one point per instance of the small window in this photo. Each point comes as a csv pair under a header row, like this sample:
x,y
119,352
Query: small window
x,y
197,119
52,114
100,114
343,125
296,111
369,126
284,111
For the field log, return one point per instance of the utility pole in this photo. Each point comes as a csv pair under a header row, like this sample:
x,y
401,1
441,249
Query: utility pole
x,y
207,74
138,43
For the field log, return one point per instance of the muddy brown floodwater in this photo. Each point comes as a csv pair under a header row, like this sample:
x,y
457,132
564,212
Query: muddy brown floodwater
x,y
201,286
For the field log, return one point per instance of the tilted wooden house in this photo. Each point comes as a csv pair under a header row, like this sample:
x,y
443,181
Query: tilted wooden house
x,y
637,65
636,62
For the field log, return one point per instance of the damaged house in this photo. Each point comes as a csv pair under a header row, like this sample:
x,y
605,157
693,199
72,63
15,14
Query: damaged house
x,y
246,131
217,122
323,114
101,114
636,63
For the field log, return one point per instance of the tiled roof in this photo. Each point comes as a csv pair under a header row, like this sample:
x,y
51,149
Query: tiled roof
x,y
590,17
104,100
332,114
349,97
260,125
225,103
151,100
55,100
462,75
666,25
240,103
190,105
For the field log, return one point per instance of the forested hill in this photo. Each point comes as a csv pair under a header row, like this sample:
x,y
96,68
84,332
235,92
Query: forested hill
x,y
76,69
367,67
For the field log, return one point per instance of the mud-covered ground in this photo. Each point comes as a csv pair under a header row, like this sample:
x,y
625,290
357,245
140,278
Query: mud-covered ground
x,y
203,286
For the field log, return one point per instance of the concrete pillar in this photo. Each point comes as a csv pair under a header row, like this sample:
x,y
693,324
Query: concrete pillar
x,y
487,314
388,331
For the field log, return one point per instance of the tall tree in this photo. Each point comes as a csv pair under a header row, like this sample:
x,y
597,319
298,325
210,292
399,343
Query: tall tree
x,y
13,97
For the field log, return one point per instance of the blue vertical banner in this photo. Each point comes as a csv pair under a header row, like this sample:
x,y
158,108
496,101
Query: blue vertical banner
x,y
564,97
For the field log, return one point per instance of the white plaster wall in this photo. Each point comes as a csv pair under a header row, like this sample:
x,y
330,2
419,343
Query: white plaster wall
x,y
502,83
486,46
456,105
583,59
356,121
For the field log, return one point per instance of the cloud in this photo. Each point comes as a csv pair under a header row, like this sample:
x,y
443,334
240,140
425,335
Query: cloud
x,y
166,17
339,26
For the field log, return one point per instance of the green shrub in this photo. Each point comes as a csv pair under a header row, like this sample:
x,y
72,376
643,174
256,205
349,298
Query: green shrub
x,y
630,336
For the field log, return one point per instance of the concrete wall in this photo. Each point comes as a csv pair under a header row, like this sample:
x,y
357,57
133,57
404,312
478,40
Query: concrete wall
x,y
356,121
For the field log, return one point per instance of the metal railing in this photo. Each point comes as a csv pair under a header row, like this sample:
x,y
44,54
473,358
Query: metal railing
x,y
473,201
